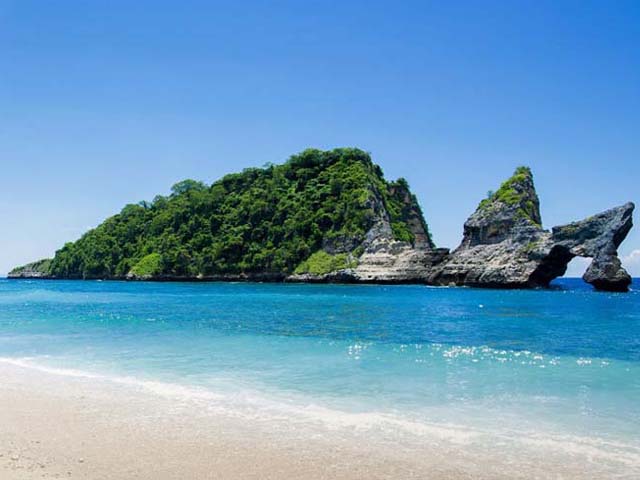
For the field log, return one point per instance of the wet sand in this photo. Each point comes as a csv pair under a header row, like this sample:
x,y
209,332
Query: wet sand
x,y
54,426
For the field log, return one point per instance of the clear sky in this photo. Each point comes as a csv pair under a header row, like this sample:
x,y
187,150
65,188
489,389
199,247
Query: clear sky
x,y
104,103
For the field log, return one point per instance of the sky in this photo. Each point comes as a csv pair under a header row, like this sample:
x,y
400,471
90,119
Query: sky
x,y
105,103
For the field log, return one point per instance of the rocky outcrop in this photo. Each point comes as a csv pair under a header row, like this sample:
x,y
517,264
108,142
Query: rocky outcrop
x,y
500,240
412,215
606,273
39,269
505,246
386,260
383,259
599,237
513,208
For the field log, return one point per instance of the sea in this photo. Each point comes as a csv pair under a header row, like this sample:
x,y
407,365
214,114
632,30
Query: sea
x,y
558,366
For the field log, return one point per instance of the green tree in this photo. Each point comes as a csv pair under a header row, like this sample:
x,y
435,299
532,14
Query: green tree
x,y
267,220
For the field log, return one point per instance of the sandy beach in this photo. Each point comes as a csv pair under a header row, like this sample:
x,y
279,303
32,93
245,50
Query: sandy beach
x,y
354,240
57,426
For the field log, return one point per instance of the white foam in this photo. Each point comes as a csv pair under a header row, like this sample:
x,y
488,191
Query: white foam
x,y
26,362
255,405
156,387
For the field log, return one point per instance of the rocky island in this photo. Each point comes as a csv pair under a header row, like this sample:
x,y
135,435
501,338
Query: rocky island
x,y
331,216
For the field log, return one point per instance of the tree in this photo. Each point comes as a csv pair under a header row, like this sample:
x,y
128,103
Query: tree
x,y
187,185
258,220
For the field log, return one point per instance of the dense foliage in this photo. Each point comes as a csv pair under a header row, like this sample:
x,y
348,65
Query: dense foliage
x,y
516,191
267,220
322,262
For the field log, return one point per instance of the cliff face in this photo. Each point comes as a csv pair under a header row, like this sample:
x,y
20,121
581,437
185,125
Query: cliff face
x,y
382,258
498,239
597,237
505,246
332,217
513,208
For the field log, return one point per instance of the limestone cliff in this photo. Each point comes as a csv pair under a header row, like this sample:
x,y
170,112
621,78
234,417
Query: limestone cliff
x,y
505,246
597,237
381,257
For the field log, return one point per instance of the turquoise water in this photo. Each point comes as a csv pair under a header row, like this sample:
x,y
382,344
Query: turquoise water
x,y
562,362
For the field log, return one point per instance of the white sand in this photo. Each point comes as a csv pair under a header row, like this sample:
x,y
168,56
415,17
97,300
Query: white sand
x,y
54,426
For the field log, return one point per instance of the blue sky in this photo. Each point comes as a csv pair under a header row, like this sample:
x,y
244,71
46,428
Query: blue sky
x,y
104,103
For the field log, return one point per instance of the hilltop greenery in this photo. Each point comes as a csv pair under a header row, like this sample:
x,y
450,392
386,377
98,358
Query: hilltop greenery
x,y
517,191
262,220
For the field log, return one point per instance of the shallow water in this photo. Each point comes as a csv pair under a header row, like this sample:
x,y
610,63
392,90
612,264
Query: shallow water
x,y
559,365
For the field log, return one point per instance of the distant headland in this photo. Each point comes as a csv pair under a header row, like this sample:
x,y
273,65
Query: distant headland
x,y
330,216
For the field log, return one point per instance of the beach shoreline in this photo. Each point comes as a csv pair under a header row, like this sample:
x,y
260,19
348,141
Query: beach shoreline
x,y
57,426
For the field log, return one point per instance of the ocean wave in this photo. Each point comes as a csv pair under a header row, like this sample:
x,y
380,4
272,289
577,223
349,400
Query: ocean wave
x,y
288,409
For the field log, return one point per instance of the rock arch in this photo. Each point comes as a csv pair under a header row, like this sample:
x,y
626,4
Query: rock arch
x,y
598,237
504,244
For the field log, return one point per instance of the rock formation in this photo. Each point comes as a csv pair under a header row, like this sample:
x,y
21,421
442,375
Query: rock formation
x,y
505,246
598,237
335,216
385,259
37,269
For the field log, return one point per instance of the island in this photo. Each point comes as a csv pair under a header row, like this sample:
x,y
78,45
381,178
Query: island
x,y
331,216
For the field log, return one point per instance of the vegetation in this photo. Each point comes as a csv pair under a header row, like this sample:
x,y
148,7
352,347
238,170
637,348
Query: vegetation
x,y
568,230
41,266
262,220
530,247
149,266
322,262
514,192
